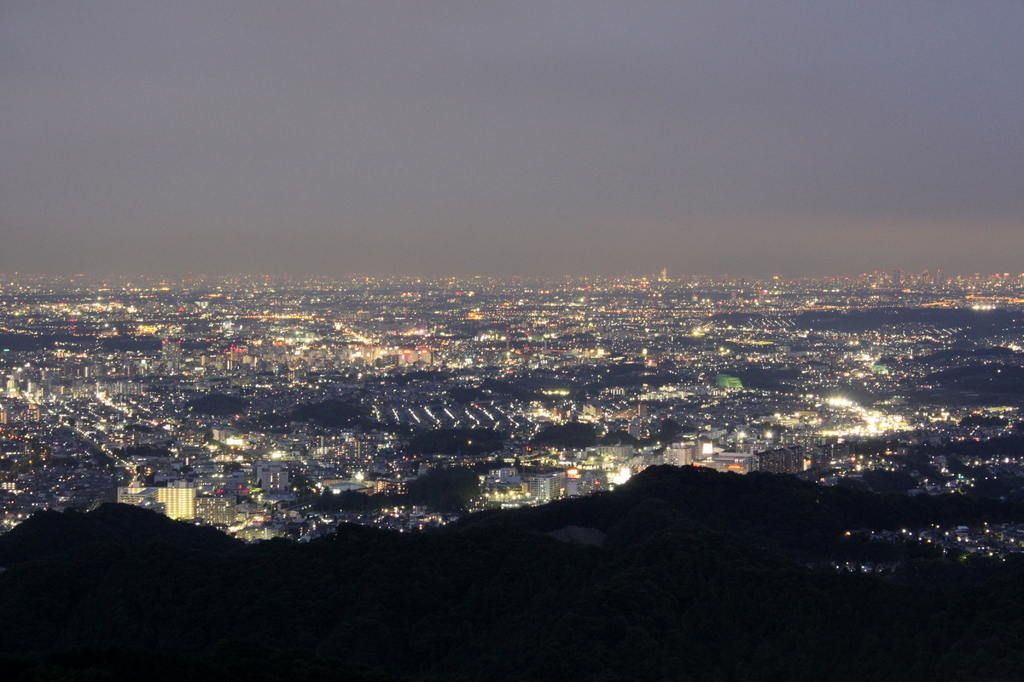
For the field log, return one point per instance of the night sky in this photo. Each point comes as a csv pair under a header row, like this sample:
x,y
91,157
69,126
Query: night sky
x,y
511,138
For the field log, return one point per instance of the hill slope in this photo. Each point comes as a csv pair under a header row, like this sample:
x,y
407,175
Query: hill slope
x,y
779,512
54,534
669,596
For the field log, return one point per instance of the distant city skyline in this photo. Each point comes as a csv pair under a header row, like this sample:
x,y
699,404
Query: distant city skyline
x,y
530,138
894,275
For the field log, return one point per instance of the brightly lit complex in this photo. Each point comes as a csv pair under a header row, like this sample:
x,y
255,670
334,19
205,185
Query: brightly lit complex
x,y
855,420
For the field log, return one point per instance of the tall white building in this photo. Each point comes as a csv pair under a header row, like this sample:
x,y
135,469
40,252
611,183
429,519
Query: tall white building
x,y
272,476
179,500
548,487
680,454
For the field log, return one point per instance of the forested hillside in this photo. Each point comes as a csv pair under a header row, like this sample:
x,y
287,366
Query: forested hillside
x,y
695,580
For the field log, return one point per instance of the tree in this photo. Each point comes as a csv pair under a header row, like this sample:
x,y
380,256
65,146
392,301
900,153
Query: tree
x,y
571,435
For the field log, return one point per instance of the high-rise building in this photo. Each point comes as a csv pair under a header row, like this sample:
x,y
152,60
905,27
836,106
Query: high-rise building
x,y
179,500
272,476
781,460
171,351
638,427
548,487
680,454
220,511
138,495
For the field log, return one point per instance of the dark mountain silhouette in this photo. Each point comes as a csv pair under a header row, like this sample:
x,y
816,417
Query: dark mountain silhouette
x,y
692,582
55,534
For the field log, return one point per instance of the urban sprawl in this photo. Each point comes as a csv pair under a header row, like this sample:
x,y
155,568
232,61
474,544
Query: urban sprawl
x,y
276,407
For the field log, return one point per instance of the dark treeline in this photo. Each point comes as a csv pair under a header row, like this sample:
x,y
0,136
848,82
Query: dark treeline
x,y
444,489
465,442
781,513
692,582
335,414
218,404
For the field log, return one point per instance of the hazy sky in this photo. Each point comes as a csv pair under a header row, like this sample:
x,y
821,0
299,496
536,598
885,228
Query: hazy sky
x,y
548,137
